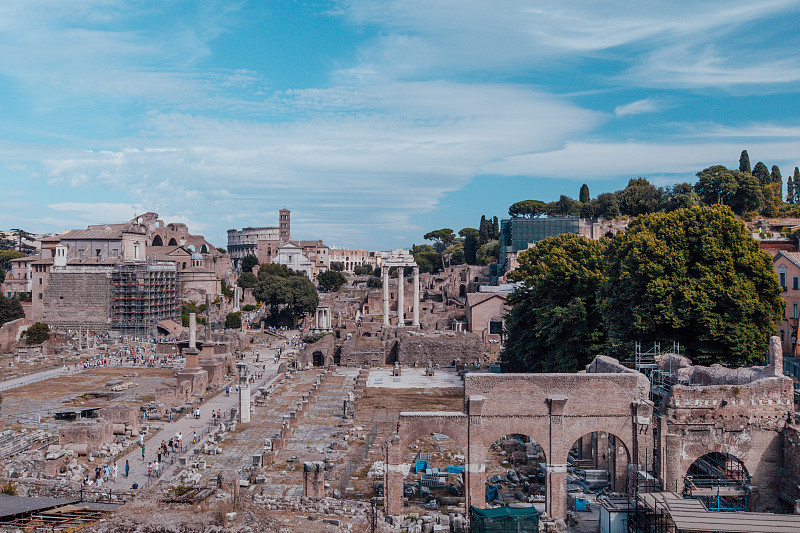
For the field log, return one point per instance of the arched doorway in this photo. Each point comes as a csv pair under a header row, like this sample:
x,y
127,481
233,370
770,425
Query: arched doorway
x,y
720,481
515,472
173,242
436,471
598,462
157,241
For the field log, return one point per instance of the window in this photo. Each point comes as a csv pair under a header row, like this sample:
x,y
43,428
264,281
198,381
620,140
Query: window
x,y
40,281
40,295
782,276
782,339
794,310
795,282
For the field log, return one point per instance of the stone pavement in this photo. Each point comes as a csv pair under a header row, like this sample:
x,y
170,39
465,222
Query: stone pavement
x,y
187,424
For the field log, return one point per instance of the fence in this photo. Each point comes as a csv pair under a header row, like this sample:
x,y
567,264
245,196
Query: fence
x,y
358,458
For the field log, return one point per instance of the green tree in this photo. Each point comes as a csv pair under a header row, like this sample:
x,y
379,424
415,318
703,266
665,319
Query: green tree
x,y
274,269
495,229
775,176
749,195
374,282
694,276
37,333
288,298
488,253
483,231
233,320
10,309
222,250
247,280
528,209
607,205
639,197
744,162
717,185
584,197
337,266
331,280
248,263
790,186
362,270
426,257
22,234
441,238
761,173
470,236
680,196
555,324
562,207
796,191
772,200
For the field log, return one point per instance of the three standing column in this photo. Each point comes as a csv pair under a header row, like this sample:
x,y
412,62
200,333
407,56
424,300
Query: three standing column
x,y
385,276
415,316
401,290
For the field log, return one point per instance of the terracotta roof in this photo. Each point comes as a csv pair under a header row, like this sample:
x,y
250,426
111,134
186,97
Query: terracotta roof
x,y
92,235
475,298
793,257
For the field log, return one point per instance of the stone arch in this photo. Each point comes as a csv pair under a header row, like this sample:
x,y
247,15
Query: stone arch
x,y
157,241
184,265
604,451
523,456
204,249
173,242
719,470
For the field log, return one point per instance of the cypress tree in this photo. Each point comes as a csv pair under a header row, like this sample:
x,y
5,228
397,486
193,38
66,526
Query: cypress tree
x,y
744,162
790,190
495,228
483,231
796,190
584,195
761,173
775,177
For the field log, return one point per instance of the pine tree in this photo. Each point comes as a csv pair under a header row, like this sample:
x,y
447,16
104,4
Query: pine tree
x,y
744,162
584,195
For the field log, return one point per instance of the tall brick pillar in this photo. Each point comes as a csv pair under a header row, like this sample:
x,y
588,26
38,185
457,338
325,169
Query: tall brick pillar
x,y
393,478
314,479
556,475
601,454
475,455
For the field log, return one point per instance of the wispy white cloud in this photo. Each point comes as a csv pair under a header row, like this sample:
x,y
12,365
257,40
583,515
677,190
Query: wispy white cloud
x,y
647,105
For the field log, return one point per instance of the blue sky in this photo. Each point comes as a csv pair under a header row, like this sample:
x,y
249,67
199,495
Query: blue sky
x,y
376,121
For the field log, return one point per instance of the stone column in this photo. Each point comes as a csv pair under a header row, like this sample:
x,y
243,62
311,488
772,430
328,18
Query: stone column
x,y
556,474
401,289
314,480
236,296
393,478
192,331
244,395
475,455
385,276
415,316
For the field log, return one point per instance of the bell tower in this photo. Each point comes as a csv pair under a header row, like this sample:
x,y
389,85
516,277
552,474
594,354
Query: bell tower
x,y
284,225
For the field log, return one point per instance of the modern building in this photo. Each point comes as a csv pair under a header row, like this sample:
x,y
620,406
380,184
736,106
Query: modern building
x,y
517,234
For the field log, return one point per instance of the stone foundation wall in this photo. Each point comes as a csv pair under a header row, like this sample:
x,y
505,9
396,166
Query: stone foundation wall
x,y
790,482
439,349
92,433
73,299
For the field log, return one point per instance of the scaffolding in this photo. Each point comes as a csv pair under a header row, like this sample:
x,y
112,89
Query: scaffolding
x,y
720,481
142,294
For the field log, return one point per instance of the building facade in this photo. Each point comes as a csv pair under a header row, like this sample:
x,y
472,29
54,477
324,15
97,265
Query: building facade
x,y
787,270
261,242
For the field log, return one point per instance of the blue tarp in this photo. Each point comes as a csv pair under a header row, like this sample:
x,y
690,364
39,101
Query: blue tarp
x,y
491,493
420,466
455,469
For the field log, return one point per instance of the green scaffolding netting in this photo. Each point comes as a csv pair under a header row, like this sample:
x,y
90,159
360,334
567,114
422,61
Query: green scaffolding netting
x,y
504,520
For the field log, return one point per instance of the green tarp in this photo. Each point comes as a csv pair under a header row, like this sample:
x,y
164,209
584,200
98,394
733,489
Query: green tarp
x,y
504,520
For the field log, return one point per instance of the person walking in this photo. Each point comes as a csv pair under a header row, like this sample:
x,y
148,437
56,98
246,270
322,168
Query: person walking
x,y
142,452
150,469
127,469
114,472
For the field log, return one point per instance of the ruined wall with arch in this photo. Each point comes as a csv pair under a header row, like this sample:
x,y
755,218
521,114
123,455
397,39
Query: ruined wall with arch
x,y
554,410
